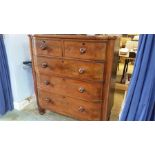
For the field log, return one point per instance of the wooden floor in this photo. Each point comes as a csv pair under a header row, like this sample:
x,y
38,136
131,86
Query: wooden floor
x,y
119,86
116,109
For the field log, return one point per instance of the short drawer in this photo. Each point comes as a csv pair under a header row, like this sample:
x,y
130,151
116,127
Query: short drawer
x,y
85,50
77,109
47,47
90,91
70,68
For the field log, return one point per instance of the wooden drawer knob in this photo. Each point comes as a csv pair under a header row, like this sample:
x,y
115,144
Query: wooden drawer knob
x,y
81,90
46,82
48,100
44,65
43,45
81,109
83,50
81,70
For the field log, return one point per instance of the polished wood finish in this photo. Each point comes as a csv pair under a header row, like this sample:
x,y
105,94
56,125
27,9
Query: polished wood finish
x,y
77,37
89,91
47,47
70,68
41,110
74,74
85,50
72,107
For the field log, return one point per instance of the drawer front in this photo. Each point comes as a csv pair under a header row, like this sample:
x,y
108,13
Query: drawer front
x,y
48,47
69,106
70,68
85,50
90,91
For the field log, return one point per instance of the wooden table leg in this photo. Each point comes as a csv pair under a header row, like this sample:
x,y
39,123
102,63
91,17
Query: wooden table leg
x,y
125,69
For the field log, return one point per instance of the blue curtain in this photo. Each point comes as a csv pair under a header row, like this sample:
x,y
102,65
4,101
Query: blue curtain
x,y
6,99
140,100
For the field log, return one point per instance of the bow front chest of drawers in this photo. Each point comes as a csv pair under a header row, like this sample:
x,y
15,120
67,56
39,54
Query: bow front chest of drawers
x,y
74,74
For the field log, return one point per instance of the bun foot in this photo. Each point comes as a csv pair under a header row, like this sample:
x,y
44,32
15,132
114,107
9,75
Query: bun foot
x,y
41,111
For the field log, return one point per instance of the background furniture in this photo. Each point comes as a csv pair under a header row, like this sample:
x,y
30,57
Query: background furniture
x,y
128,54
125,69
74,74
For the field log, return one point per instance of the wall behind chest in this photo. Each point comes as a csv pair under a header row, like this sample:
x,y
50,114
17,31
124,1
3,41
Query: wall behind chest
x,y
17,48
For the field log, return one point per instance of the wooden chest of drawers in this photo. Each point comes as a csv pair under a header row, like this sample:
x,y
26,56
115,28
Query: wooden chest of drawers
x,y
74,74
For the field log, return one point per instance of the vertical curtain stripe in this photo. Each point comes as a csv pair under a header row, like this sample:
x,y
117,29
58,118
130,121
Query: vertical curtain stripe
x,y
6,98
140,100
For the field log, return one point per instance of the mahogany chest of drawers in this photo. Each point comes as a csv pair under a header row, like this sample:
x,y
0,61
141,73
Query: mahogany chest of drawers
x,y
74,74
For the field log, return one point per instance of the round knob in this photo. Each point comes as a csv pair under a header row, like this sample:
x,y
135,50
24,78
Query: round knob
x,y
81,90
48,100
81,70
46,82
81,109
43,45
44,65
82,50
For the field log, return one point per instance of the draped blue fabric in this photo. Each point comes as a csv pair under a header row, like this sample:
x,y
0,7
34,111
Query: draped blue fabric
x,y
140,100
6,99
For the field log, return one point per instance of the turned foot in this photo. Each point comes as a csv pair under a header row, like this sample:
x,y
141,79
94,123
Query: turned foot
x,y
41,111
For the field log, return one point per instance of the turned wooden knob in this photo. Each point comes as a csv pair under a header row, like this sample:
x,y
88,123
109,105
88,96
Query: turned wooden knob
x,y
83,50
81,90
48,100
81,70
46,82
43,45
44,65
81,109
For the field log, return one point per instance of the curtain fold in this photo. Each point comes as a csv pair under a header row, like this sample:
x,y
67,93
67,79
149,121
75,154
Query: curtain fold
x,y
140,100
6,98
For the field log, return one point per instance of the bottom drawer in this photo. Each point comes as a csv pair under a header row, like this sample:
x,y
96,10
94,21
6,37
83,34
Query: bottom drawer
x,y
77,109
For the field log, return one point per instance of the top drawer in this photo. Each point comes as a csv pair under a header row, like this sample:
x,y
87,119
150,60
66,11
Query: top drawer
x,y
85,50
47,47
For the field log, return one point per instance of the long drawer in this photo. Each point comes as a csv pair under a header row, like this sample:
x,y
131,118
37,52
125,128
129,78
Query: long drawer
x,y
69,106
47,47
90,91
85,50
85,70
